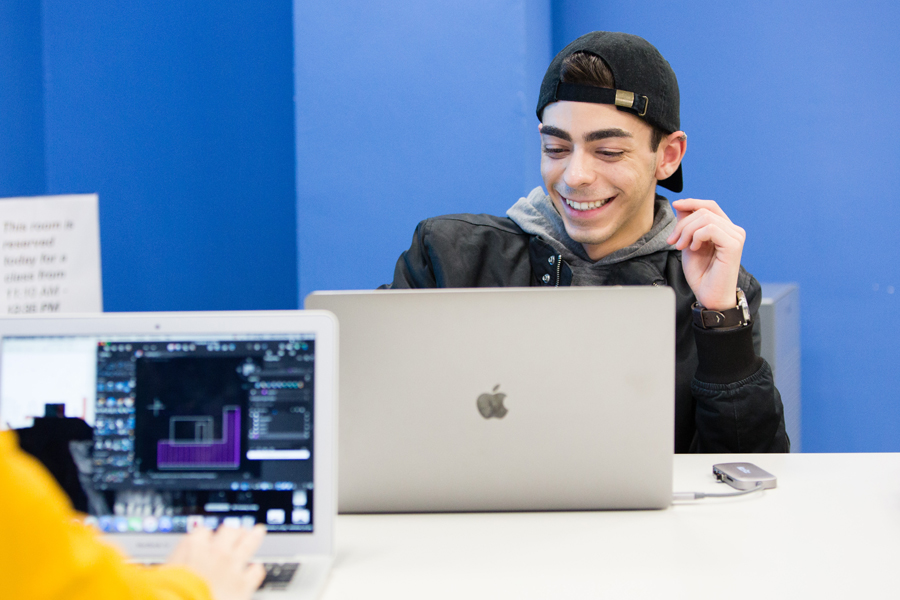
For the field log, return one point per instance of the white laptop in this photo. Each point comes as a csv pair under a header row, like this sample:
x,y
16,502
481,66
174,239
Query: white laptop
x,y
225,419
505,399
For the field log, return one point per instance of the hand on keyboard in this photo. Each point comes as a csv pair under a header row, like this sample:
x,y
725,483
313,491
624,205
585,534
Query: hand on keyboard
x,y
222,559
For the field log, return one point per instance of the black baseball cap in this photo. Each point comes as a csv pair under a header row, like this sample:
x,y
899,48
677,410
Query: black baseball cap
x,y
645,83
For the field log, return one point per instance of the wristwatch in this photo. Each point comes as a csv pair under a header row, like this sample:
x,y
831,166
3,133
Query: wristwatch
x,y
732,318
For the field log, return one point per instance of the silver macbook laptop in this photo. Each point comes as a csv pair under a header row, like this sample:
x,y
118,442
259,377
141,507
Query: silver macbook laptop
x,y
178,419
505,399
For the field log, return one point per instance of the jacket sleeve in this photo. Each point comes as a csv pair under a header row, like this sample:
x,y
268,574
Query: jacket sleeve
x,y
465,251
45,553
414,268
738,407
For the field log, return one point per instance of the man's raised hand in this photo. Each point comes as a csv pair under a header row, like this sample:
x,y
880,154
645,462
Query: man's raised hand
x,y
711,247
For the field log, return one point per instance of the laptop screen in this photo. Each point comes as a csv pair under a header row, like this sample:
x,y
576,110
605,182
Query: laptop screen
x,y
181,430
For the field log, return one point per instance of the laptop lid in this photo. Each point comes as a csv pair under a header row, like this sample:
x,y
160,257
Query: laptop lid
x,y
505,399
213,418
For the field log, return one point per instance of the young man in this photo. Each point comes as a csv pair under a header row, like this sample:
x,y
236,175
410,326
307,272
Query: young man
x,y
610,133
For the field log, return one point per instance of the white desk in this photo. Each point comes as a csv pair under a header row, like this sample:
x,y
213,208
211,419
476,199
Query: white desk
x,y
830,530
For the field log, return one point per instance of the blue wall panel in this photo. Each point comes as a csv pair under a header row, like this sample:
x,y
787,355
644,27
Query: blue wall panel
x,y
406,111
792,115
180,115
21,99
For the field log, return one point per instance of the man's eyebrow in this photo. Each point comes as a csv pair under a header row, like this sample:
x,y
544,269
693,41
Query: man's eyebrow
x,y
556,132
593,136
602,134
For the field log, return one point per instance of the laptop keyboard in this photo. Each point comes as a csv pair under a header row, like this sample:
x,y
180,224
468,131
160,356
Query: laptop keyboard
x,y
278,575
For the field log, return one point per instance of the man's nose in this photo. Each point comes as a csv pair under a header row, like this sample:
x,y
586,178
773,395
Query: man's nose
x,y
578,172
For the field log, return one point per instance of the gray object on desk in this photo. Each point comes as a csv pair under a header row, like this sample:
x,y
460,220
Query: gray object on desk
x,y
779,318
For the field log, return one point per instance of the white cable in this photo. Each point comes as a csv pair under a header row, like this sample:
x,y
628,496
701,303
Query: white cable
x,y
681,496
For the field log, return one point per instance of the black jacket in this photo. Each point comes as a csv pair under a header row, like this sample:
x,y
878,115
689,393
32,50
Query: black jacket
x,y
725,395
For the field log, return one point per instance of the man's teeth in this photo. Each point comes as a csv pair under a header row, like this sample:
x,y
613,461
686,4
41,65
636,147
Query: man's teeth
x,y
586,205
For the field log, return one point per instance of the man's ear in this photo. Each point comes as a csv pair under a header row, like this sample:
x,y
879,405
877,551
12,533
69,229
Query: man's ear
x,y
669,154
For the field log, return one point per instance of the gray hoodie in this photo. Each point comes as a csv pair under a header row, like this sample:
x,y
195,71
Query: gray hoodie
x,y
536,215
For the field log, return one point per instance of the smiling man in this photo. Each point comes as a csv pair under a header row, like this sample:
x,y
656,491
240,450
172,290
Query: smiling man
x,y
610,133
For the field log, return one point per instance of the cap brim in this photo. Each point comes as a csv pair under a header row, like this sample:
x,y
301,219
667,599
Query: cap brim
x,y
675,182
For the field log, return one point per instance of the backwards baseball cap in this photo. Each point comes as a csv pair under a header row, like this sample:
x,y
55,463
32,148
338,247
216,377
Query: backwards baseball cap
x,y
645,83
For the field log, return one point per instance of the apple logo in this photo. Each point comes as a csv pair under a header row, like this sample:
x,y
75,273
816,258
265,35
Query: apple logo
x,y
491,405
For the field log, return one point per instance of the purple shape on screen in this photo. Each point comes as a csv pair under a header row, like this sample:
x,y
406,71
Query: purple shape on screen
x,y
211,454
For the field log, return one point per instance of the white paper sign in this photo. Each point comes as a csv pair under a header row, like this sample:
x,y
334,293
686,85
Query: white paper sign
x,y
50,247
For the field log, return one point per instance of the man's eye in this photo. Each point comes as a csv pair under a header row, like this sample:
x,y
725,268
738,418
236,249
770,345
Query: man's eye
x,y
610,153
552,152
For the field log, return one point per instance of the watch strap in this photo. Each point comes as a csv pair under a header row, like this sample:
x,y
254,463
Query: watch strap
x,y
739,316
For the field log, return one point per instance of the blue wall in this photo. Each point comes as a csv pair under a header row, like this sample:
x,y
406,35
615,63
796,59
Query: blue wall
x,y
180,115
21,99
404,111
187,118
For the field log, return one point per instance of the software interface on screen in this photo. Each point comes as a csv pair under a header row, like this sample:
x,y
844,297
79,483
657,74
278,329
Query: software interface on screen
x,y
200,430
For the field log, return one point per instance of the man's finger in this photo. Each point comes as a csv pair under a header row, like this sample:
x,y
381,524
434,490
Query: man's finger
x,y
687,218
682,237
715,235
689,205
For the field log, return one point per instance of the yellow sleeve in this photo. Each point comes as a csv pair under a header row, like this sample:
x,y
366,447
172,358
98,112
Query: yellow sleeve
x,y
46,554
